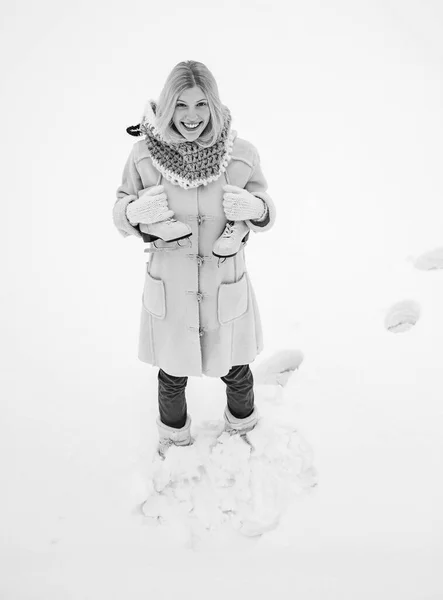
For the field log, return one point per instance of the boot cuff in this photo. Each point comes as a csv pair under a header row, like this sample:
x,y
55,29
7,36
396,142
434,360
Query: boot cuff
x,y
242,425
180,437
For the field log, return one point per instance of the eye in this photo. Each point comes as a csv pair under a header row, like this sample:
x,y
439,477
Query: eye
x,y
181,105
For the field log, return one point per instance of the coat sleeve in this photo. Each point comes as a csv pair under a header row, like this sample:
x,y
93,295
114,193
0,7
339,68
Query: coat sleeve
x,y
126,193
257,185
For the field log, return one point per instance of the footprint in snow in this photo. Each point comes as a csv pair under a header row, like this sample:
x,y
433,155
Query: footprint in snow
x,y
402,316
430,261
277,369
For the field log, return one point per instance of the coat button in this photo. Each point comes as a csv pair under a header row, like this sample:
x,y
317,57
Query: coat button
x,y
199,260
199,219
199,296
201,332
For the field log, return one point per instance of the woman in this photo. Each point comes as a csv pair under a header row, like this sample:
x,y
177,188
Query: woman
x,y
199,313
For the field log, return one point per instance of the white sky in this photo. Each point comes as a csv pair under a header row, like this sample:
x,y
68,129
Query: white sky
x,y
344,102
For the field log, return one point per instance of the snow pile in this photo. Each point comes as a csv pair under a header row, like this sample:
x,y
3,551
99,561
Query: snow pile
x,y
402,316
227,482
277,369
430,261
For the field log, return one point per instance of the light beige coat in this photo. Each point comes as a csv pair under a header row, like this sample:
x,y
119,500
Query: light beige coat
x,y
197,318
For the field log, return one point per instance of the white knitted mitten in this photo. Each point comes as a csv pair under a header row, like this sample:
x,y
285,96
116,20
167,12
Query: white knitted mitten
x,y
150,207
241,205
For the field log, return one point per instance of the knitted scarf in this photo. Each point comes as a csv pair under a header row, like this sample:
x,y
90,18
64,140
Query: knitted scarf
x,y
186,163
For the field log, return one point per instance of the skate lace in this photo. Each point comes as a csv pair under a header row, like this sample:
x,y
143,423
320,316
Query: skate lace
x,y
170,221
228,230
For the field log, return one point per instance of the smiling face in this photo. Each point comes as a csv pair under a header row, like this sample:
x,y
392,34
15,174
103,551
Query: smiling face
x,y
191,114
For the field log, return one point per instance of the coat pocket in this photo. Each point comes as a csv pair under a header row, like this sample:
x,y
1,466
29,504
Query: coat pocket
x,y
154,299
232,300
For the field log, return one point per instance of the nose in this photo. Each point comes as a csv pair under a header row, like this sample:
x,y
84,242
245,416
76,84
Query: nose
x,y
191,115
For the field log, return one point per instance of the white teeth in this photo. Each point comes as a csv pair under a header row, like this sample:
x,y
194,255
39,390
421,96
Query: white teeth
x,y
189,126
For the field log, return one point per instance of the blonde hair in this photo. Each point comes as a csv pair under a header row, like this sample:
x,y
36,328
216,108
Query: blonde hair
x,y
184,75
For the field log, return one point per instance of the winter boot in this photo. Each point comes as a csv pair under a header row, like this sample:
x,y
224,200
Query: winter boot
x,y
169,230
234,425
240,426
229,243
169,436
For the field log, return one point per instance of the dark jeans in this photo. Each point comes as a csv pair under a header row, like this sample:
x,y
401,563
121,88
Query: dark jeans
x,y
172,399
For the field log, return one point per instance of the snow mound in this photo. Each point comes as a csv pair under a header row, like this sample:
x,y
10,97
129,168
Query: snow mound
x,y
277,369
430,260
402,316
222,482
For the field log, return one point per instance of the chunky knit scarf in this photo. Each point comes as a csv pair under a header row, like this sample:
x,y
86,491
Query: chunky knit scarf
x,y
186,163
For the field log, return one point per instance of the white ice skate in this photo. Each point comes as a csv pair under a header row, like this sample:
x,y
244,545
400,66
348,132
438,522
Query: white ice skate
x,y
169,230
235,234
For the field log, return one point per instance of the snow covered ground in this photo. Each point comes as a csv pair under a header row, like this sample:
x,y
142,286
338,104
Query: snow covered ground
x,y
350,281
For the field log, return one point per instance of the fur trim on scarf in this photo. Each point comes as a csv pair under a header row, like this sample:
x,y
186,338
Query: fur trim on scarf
x,y
187,164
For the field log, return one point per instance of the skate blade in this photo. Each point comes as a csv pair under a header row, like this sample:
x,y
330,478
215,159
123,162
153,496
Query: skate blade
x,y
149,238
168,247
